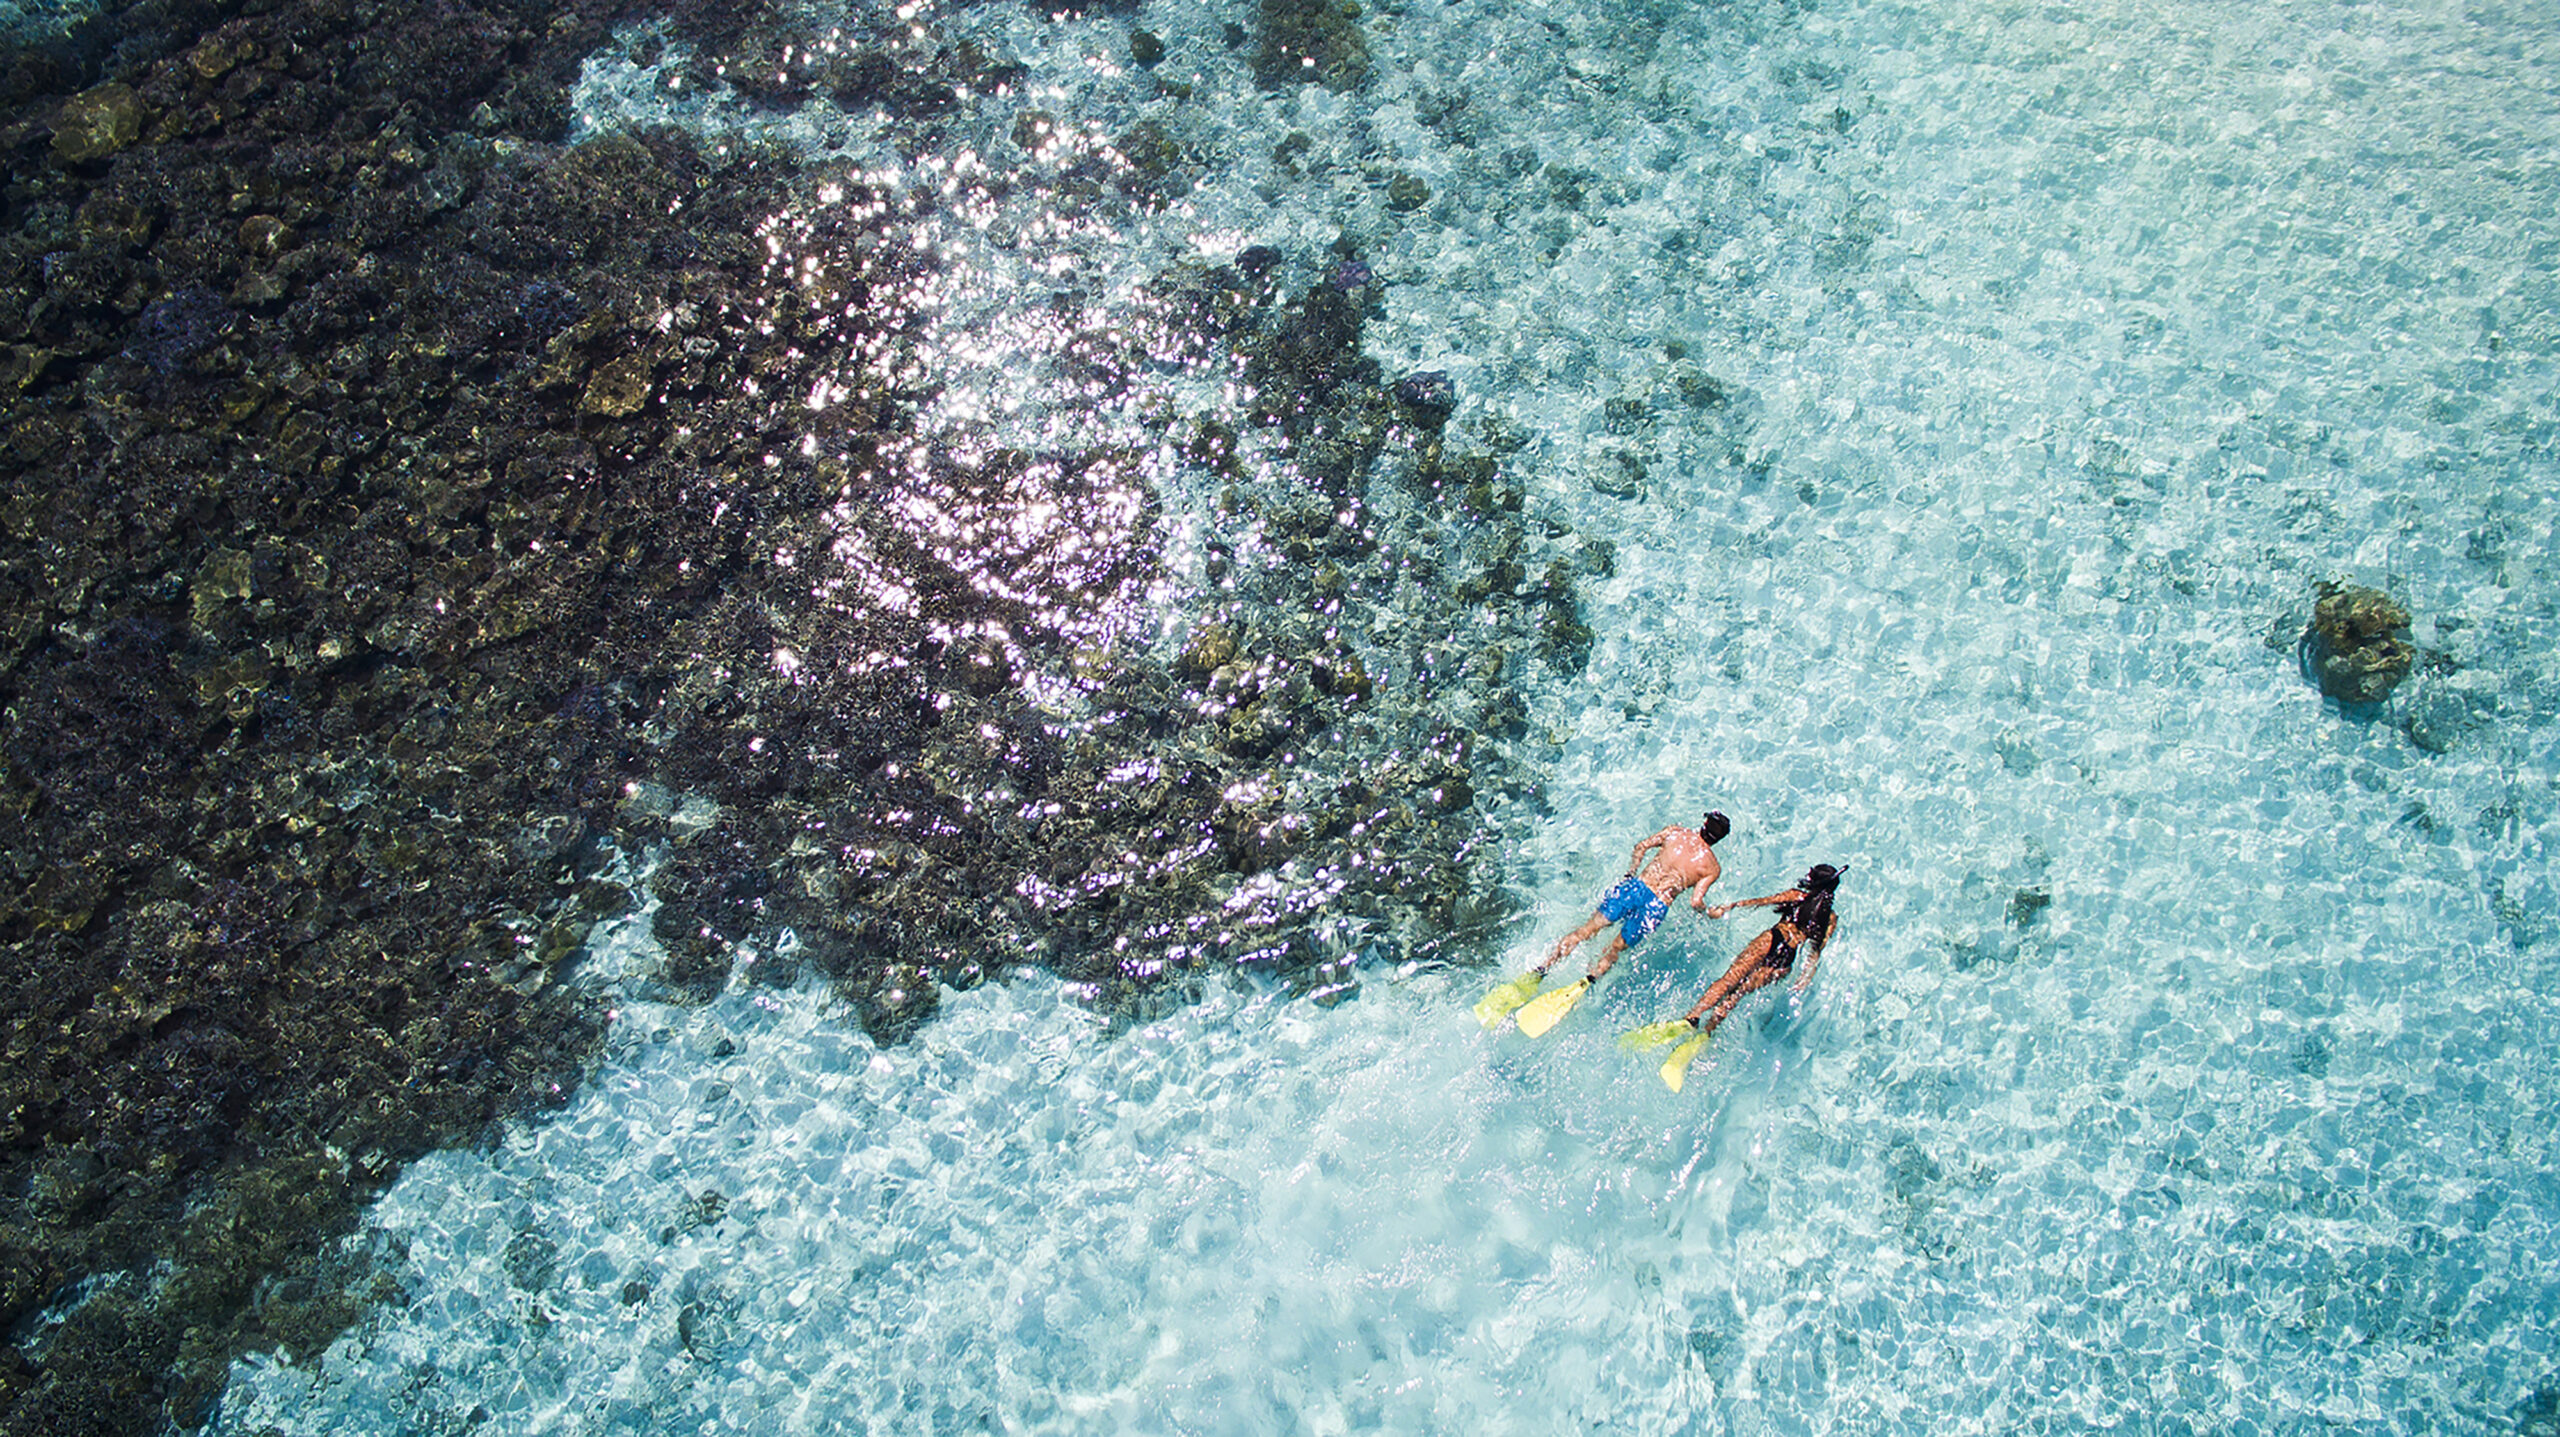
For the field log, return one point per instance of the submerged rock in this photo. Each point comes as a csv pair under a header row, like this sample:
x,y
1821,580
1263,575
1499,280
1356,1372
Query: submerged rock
x,y
1699,389
177,327
1315,384
618,389
1431,393
2437,722
2357,647
1212,648
96,123
1153,163
1312,40
2440,713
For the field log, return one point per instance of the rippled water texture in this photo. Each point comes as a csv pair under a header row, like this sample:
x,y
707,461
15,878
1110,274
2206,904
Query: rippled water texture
x,y
1975,394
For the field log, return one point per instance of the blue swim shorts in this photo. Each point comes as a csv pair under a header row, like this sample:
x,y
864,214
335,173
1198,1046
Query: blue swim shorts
x,y
1636,909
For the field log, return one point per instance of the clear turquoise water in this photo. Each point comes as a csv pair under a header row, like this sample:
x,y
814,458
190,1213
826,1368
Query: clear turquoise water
x,y
2068,348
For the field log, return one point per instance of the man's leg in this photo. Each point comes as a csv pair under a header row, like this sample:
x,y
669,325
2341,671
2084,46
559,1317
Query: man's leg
x,y
1571,941
1609,956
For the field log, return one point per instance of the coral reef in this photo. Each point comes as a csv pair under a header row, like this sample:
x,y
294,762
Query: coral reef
x,y
2357,646
272,905
407,543
1317,41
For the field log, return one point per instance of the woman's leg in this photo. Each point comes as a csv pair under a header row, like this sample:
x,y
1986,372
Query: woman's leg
x,y
1749,972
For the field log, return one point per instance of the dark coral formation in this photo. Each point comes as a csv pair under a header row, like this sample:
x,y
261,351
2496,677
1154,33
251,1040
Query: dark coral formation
x,y
2357,646
1312,41
300,564
413,531
930,825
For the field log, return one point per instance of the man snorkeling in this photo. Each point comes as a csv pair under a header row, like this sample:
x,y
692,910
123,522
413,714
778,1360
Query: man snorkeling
x,y
1805,924
1687,861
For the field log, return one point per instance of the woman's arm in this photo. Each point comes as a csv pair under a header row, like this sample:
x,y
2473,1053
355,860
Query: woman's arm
x,y
1813,953
1721,909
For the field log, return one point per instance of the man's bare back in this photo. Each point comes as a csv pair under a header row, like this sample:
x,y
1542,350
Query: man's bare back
x,y
1685,862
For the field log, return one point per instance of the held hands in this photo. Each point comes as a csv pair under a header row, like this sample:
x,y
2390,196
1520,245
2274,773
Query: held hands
x,y
1720,910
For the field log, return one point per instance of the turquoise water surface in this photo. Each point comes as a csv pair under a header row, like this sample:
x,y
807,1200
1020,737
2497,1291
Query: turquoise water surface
x,y
1974,393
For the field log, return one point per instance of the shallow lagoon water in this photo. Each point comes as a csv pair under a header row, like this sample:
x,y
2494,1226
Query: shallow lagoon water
x,y
2183,1064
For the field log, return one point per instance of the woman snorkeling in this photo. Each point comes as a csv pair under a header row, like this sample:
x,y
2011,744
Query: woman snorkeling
x,y
1805,923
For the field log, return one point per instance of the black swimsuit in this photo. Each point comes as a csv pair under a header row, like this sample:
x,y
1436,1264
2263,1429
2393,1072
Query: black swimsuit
x,y
1804,906
1782,951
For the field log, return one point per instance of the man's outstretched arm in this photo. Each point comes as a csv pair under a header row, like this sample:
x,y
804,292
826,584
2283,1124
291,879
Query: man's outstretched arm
x,y
1645,847
1706,880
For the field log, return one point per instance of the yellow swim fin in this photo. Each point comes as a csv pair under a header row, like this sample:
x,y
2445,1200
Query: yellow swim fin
x,y
1675,1069
1654,1035
1546,1011
1495,1006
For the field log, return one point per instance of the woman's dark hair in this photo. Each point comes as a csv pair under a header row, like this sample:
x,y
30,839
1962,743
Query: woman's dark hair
x,y
1715,828
1811,914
